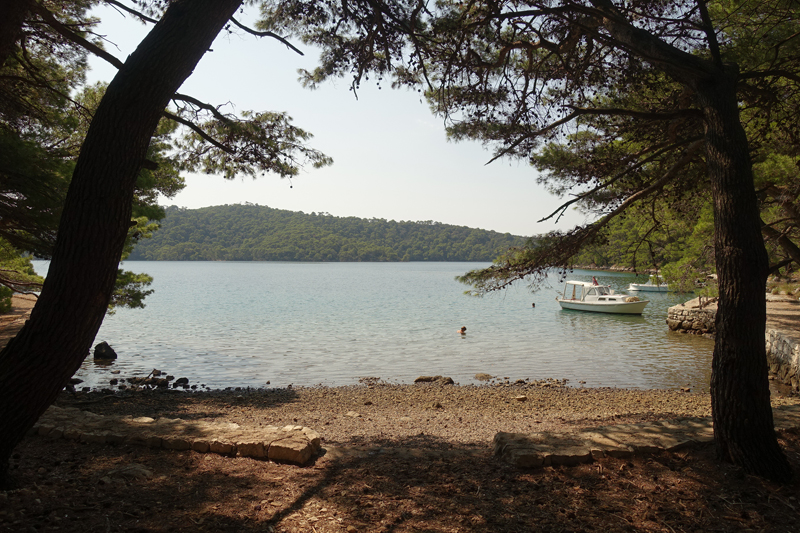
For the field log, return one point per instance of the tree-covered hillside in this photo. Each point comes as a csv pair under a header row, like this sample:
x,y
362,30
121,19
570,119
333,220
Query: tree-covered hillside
x,y
259,233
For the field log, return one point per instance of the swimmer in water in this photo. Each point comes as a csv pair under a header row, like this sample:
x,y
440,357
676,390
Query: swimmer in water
x,y
463,330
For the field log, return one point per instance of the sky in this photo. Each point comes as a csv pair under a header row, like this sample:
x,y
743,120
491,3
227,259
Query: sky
x,y
392,159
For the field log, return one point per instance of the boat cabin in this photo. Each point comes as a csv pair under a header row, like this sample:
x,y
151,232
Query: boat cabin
x,y
584,290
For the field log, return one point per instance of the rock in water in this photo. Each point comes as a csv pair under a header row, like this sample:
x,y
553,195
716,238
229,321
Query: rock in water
x,y
104,352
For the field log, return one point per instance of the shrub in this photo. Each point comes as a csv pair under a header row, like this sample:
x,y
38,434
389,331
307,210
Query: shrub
x,y
5,299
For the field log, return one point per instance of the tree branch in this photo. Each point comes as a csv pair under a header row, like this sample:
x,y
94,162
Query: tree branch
x,y
531,135
198,130
562,208
682,66
266,34
668,176
783,241
681,113
68,34
202,105
132,11
708,29
772,72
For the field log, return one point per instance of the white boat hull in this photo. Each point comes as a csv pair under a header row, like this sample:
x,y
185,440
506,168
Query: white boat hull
x,y
648,288
621,308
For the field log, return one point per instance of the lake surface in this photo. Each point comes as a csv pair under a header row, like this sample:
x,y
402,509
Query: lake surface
x,y
228,324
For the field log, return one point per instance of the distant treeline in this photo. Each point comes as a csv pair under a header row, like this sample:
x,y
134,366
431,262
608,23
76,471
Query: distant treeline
x,y
259,233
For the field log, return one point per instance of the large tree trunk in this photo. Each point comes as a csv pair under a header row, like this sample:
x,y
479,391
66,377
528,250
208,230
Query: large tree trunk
x,y
740,398
743,427
39,361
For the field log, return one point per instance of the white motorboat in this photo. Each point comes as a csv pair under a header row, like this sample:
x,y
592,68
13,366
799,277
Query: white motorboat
x,y
650,286
586,296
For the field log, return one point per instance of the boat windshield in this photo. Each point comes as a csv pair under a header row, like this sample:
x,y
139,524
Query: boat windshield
x,y
603,290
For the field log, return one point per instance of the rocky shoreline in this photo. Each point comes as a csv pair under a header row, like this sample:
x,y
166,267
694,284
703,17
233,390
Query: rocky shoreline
x,y
428,411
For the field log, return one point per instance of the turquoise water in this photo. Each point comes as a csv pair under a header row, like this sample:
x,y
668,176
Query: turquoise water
x,y
227,324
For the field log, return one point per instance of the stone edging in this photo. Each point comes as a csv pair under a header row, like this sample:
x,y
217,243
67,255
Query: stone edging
x,y
783,357
783,350
690,317
290,444
299,445
624,440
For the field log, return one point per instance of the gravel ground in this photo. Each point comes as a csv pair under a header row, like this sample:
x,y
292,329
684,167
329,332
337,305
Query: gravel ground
x,y
380,412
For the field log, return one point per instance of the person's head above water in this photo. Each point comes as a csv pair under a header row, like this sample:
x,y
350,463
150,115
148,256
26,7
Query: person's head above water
x,y
463,329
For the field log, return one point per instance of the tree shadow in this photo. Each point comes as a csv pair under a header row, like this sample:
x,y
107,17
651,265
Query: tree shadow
x,y
171,403
419,484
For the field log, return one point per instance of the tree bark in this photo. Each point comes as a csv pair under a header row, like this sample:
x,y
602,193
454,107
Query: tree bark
x,y
740,400
39,361
12,16
743,426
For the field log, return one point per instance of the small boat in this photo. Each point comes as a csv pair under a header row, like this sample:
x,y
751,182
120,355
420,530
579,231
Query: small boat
x,y
649,286
586,296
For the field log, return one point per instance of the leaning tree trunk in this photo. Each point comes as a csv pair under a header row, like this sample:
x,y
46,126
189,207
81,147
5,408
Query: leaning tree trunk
x,y
39,361
740,400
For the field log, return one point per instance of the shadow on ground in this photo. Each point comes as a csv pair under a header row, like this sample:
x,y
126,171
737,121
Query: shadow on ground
x,y
419,485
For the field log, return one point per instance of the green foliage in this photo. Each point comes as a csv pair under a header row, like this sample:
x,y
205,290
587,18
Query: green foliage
x,y
33,182
16,270
259,233
45,112
35,170
5,299
252,145
656,236
129,291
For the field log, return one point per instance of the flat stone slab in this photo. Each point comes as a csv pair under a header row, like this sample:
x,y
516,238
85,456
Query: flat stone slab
x,y
290,444
299,445
527,450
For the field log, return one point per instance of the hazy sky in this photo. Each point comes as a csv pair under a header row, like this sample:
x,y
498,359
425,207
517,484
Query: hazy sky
x,y
391,156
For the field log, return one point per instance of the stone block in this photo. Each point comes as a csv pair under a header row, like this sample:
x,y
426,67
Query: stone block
x,y
251,449
115,438
295,450
523,458
201,446
94,437
313,439
569,456
135,439
222,448
176,443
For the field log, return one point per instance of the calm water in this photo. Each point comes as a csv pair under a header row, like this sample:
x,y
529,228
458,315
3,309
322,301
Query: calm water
x,y
227,324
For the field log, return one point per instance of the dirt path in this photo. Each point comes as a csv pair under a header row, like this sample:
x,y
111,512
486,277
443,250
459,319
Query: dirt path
x,y
784,316
12,322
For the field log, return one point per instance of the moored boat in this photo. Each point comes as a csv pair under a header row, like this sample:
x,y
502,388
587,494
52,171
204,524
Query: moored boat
x,y
652,285
586,296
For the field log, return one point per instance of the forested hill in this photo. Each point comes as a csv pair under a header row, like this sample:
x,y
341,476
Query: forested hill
x,y
259,233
